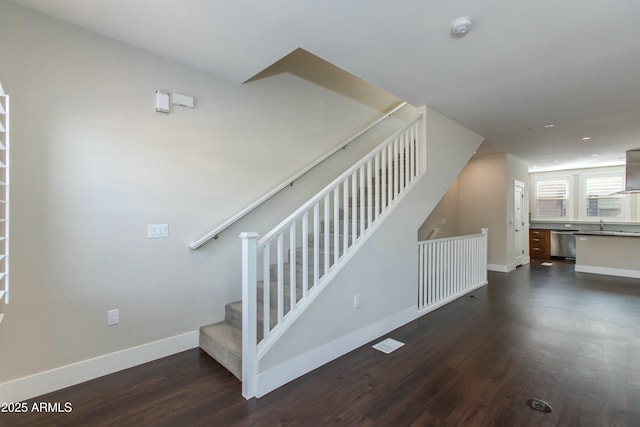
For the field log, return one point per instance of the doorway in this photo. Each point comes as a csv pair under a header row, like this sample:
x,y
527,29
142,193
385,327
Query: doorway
x,y
519,237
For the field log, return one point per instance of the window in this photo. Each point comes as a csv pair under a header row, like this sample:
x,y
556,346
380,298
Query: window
x,y
583,195
551,197
599,196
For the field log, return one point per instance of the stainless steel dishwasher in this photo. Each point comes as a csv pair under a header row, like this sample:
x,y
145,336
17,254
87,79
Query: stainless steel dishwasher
x,y
563,244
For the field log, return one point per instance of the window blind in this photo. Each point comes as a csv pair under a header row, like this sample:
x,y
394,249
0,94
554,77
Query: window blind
x,y
553,189
604,186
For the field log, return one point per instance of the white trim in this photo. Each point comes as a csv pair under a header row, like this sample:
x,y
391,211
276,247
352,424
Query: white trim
x,y
502,268
621,272
296,367
55,379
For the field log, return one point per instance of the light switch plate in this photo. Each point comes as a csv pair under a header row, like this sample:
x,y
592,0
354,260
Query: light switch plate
x,y
162,102
157,231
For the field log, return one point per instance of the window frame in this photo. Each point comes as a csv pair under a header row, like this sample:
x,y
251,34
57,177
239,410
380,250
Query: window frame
x,y
625,206
542,177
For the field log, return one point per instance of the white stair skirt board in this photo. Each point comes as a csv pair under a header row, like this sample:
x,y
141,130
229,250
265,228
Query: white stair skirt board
x,y
389,345
55,379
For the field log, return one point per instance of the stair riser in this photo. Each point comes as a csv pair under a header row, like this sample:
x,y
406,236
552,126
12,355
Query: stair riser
x,y
233,315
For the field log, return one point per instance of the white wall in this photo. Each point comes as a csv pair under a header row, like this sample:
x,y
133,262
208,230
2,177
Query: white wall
x,y
93,164
383,273
445,216
486,200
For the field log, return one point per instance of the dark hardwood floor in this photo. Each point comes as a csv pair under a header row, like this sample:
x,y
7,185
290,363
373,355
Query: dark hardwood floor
x,y
570,339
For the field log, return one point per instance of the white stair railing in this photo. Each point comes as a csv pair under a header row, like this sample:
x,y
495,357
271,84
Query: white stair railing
x,y
450,267
286,269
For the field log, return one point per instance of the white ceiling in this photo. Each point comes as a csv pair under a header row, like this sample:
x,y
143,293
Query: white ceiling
x,y
525,64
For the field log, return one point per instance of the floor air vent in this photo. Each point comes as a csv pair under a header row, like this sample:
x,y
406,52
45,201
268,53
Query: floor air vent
x,y
388,345
539,405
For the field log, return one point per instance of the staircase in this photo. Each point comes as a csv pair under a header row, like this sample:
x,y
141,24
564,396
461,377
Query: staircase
x,y
223,340
288,267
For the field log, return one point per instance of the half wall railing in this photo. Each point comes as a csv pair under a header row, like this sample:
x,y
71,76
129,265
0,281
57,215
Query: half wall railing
x,y
450,267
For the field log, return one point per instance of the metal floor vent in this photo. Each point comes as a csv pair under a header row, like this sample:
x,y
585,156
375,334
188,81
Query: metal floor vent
x,y
539,405
388,345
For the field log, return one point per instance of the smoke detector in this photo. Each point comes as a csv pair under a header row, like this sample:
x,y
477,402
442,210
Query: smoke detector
x,y
461,26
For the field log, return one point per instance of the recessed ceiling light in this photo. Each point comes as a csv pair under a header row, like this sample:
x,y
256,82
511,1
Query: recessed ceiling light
x,y
550,125
586,138
594,155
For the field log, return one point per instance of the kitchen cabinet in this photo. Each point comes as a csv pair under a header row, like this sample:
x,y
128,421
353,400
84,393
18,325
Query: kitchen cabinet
x,y
539,244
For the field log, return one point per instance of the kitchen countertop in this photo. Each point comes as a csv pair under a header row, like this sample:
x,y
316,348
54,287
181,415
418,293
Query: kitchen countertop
x,y
608,233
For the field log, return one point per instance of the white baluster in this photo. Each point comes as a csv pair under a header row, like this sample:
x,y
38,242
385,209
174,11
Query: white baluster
x,y
369,194
266,290
361,201
336,224
305,253
345,214
280,275
376,184
421,280
401,160
327,243
354,207
396,170
384,188
292,266
485,243
316,243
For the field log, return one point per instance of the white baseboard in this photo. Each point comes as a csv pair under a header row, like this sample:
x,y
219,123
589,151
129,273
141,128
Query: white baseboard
x,y
501,268
55,379
634,274
307,362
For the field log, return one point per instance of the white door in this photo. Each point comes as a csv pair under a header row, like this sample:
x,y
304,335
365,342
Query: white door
x,y
519,237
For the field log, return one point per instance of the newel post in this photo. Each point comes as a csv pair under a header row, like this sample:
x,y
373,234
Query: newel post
x,y
485,233
249,315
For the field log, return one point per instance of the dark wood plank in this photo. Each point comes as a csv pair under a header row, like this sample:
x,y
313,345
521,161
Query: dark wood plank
x,y
540,332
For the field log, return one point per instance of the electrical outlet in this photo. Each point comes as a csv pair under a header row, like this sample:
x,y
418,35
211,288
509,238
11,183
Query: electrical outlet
x,y
113,317
356,301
